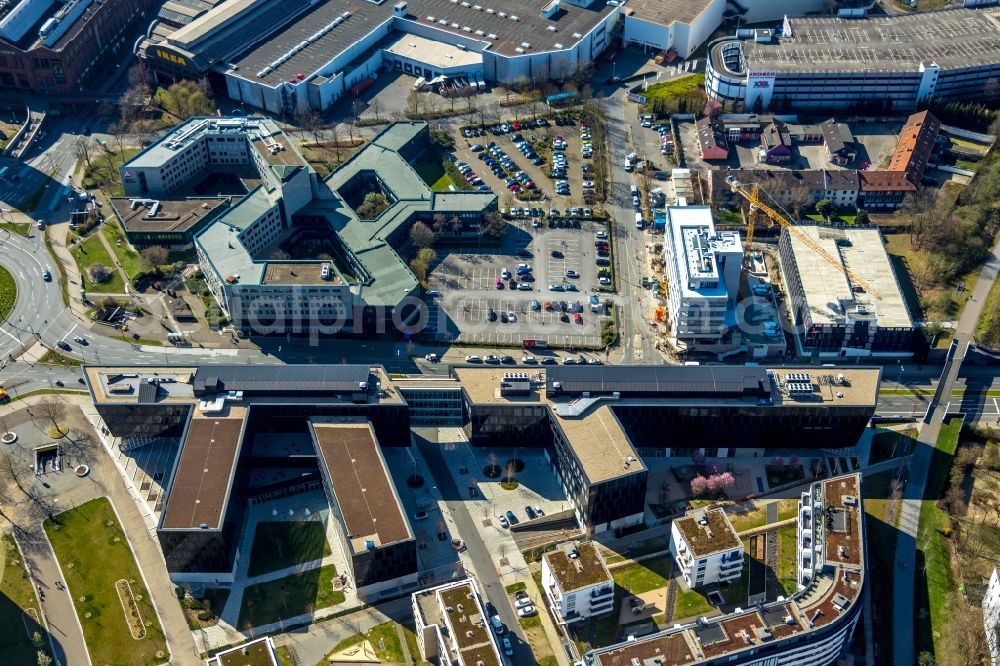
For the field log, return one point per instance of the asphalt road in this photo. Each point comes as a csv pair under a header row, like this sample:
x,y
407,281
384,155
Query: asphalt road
x,y
484,568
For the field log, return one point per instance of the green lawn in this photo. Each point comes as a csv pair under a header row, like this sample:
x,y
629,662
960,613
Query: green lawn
x,y
988,327
277,545
432,173
383,638
644,576
55,358
8,293
787,569
412,645
94,555
127,256
674,88
515,587
103,171
15,227
690,604
17,596
933,555
286,597
889,444
836,218
91,252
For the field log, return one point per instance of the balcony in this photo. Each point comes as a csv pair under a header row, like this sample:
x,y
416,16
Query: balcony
x,y
602,592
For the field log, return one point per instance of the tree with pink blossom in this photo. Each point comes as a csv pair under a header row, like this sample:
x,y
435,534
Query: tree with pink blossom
x,y
699,486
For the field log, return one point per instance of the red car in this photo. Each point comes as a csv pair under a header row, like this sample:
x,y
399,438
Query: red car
x,y
499,283
516,125
577,318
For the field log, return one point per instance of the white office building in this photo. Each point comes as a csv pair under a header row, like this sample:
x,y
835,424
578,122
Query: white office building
x,y
703,269
991,616
706,548
577,583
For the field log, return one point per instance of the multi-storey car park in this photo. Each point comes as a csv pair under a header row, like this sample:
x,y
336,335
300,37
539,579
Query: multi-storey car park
x,y
810,628
244,240
879,64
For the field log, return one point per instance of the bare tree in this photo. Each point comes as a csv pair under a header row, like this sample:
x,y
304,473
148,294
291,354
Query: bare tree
x,y
52,409
9,474
800,198
312,122
510,472
84,152
421,235
119,131
155,255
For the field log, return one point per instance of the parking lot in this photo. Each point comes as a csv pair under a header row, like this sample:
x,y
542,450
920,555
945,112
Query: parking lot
x,y
549,305
876,142
541,139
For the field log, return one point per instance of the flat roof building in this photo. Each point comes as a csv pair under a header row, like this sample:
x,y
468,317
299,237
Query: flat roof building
x,y
336,418
706,548
703,273
356,280
285,56
814,625
452,626
833,315
577,583
374,530
879,64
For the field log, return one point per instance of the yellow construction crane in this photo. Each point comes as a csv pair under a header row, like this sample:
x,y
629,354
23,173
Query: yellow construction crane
x,y
753,196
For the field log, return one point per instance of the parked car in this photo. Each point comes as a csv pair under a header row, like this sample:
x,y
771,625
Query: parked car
x,y
507,648
527,611
498,626
528,360
433,358
503,521
420,515
512,518
491,358
568,360
572,274
548,360
522,602
531,513
62,344
511,317
473,359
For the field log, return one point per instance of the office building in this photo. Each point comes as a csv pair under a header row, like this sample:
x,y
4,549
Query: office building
x,y
61,48
833,314
680,25
706,548
452,627
290,253
577,583
234,425
883,64
812,627
703,275
886,190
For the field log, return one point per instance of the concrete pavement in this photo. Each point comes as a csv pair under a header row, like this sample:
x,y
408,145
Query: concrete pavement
x,y
909,517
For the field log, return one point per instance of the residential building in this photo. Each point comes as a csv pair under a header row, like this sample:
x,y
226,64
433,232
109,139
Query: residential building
x,y
783,187
811,627
950,55
839,142
905,173
703,273
991,616
706,548
577,583
452,627
712,139
833,313
775,143
63,48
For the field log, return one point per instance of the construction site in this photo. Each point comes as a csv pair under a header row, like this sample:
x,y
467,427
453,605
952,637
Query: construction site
x,y
823,291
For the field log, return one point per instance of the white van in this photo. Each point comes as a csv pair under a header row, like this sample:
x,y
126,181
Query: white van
x,y
638,221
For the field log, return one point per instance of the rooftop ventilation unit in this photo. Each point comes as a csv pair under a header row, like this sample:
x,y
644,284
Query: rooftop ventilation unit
x,y
513,17
466,4
799,387
490,11
466,28
431,19
480,33
443,21
577,35
478,8
558,45
502,14
454,25
798,377
519,50
551,28
525,45
491,36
